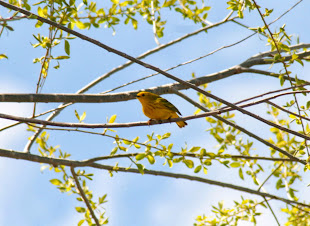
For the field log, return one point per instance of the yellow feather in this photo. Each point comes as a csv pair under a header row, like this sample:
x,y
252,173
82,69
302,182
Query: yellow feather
x,y
156,107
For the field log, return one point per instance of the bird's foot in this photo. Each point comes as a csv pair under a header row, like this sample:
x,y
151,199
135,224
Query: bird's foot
x,y
154,120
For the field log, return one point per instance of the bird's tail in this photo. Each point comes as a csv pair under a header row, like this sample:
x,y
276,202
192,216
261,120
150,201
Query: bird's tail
x,y
180,123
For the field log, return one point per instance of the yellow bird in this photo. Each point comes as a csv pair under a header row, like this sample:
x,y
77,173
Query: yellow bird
x,y
156,107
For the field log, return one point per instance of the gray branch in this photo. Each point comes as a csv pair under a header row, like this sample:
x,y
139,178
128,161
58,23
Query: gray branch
x,y
164,89
76,163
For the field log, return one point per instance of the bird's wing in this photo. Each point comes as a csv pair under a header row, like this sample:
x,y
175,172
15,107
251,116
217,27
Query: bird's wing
x,y
168,105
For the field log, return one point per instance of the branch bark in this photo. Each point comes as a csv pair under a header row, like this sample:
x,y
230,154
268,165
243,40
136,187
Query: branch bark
x,y
76,163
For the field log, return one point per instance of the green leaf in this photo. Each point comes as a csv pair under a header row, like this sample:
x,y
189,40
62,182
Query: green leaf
x,y
134,23
279,184
9,28
123,4
38,24
203,152
2,56
55,182
151,159
102,199
282,80
40,12
291,193
168,3
80,24
189,163
241,174
205,170
207,162
140,156
170,163
300,62
127,142
81,222
171,145
83,116
67,47
122,148
80,209
194,149
140,168
114,150
112,119
61,57
166,135
77,115
235,164
197,169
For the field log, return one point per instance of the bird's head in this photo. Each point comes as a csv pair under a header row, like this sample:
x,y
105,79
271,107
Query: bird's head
x,y
146,96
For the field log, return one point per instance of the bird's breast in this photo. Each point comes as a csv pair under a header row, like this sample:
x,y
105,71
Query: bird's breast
x,y
156,112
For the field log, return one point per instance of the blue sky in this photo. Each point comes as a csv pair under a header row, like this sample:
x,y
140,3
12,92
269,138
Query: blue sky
x,y
28,198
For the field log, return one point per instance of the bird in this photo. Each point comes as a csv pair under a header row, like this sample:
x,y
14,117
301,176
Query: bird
x,y
158,108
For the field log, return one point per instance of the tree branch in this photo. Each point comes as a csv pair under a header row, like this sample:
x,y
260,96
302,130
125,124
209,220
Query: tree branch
x,y
80,190
285,68
165,89
122,54
189,85
287,111
118,125
76,163
274,215
242,129
122,125
192,155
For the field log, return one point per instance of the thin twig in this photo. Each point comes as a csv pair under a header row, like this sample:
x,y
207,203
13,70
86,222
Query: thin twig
x,y
285,68
12,18
274,215
287,111
80,189
270,92
241,129
184,63
269,176
287,11
193,155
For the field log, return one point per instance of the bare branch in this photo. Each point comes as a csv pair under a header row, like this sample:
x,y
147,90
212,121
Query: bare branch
x,y
274,215
269,176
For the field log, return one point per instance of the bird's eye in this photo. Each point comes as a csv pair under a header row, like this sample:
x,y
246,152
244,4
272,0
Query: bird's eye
x,y
143,95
